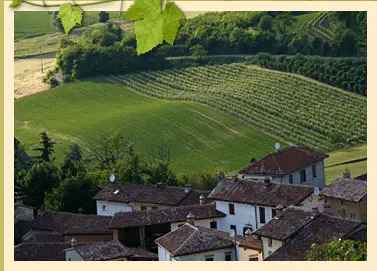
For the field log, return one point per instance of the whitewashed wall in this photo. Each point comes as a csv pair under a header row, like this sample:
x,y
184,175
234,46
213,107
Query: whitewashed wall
x,y
202,222
111,208
163,254
219,255
72,255
245,253
268,250
245,214
318,181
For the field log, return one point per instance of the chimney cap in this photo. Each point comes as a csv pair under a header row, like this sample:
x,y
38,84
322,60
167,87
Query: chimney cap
x,y
190,216
248,232
73,242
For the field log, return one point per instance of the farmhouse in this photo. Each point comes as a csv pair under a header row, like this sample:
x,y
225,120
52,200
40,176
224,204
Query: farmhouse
x,y
196,243
346,198
141,228
292,234
107,251
116,197
251,204
298,165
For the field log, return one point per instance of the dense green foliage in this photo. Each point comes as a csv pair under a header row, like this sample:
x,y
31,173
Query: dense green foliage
x,y
200,139
290,107
339,250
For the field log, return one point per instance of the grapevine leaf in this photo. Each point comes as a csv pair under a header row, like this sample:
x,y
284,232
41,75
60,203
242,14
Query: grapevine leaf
x,y
70,16
154,25
141,9
16,3
172,16
149,33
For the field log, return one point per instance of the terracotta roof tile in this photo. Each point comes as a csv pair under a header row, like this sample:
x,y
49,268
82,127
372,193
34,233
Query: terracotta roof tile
x,y
346,189
284,161
169,215
156,194
40,251
255,192
189,239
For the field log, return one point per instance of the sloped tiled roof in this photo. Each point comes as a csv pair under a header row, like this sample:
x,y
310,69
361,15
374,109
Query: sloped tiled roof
x,y
321,230
112,250
249,242
284,225
155,194
32,251
44,236
189,239
70,223
284,161
255,192
346,189
161,216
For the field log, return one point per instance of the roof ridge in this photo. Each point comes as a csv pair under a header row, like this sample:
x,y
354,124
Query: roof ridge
x,y
188,238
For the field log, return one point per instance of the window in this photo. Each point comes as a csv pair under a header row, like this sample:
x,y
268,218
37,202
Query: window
x,y
262,215
302,176
273,212
209,258
290,179
314,171
233,227
103,207
213,225
231,209
143,208
269,242
228,256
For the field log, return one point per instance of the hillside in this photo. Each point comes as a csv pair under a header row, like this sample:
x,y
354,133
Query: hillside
x,y
200,139
295,109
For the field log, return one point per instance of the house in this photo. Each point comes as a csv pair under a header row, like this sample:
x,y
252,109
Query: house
x,y
117,197
281,228
35,251
298,165
249,248
196,243
84,228
141,228
292,233
346,198
251,204
107,251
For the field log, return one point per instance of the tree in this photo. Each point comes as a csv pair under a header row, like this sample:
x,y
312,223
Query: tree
x,y
72,165
103,16
265,23
56,22
46,148
22,161
339,250
74,194
348,43
41,178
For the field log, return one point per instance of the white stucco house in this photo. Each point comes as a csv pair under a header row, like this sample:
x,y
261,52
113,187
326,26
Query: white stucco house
x,y
195,243
297,165
250,204
117,197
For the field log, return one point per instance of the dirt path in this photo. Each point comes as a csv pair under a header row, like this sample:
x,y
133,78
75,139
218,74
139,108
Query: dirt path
x,y
28,76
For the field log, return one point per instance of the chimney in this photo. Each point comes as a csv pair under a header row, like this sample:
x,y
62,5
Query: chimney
x,y
267,181
279,209
190,218
188,188
160,185
248,233
73,242
202,199
347,173
315,210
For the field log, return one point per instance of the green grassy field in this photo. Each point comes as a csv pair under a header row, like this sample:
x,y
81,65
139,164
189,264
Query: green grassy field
x,y
200,139
30,24
353,159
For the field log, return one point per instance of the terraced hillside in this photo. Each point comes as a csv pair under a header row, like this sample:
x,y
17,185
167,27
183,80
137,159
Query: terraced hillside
x,y
316,24
293,108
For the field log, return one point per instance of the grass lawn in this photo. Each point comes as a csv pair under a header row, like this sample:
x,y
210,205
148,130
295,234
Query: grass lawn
x,y
336,164
32,23
200,139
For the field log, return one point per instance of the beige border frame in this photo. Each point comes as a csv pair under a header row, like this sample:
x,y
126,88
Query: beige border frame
x,y
370,6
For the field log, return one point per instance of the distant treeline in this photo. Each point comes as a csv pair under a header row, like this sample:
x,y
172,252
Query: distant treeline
x,y
108,50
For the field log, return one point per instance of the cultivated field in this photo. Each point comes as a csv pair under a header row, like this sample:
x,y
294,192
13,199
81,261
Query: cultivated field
x,y
293,108
28,75
200,138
